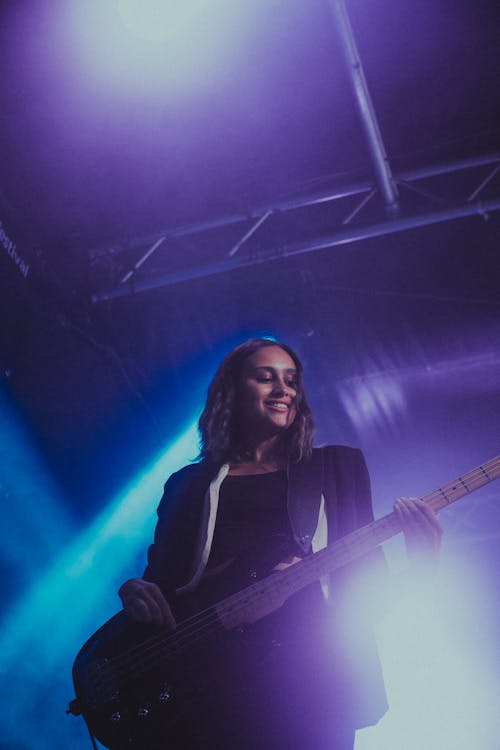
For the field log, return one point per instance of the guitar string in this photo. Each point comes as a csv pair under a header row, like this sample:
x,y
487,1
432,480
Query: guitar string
x,y
198,624
435,495
171,646
144,662
209,618
204,622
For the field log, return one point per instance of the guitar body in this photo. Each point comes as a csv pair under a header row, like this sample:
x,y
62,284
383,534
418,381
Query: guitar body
x,y
111,707
138,682
129,700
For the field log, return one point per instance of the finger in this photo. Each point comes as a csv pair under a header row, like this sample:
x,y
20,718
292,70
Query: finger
x,y
418,521
154,611
416,511
407,514
426,517
145,602
144,608
130,588
161,608
138,609
431,518
421,537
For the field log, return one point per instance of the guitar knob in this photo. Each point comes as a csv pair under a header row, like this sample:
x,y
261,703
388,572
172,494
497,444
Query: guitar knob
x,y
115,716
165,695
143,712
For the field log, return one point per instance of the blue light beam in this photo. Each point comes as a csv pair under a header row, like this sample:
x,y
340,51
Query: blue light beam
x,y
78,591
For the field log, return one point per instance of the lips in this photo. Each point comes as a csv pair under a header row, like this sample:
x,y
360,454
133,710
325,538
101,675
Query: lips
x,y
278,405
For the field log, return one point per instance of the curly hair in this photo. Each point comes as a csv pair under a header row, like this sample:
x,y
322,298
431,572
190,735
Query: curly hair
x,y
220,439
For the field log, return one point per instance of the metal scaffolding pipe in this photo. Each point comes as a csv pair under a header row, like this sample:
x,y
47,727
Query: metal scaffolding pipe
x,y
343,237
421,173
366,109
290,204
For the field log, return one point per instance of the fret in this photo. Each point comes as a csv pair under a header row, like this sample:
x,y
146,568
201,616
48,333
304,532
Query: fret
x,y
463,485
446,498
485,473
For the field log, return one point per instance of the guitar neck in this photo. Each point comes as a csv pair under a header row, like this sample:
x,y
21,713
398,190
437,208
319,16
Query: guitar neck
x,y
464,485
294,578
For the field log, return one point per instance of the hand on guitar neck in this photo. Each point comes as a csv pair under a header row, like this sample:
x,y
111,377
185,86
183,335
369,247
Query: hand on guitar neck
x,y
422,531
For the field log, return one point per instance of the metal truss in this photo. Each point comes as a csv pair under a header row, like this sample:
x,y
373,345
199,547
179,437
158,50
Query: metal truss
x,y
345,215
340,215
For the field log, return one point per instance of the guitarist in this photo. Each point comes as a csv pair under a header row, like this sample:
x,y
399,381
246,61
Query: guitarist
x,y
260,500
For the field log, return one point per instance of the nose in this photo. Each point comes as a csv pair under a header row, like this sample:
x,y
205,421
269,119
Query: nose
x,y
281,388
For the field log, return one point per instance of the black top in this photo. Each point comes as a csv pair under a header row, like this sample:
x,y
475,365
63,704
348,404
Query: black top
x,y
252,525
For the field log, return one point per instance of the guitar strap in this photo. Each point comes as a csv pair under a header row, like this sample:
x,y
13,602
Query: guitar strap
x,y
305,488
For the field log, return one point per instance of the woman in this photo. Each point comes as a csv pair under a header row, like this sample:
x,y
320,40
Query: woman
x,y
259,501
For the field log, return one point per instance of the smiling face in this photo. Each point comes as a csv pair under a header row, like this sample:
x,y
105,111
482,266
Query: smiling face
x,y
267,393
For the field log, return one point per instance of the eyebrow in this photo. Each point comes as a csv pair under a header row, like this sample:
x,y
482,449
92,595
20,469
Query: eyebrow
x,y
290,370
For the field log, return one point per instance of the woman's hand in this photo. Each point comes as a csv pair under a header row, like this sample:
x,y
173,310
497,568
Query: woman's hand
x,y
422,532
144,602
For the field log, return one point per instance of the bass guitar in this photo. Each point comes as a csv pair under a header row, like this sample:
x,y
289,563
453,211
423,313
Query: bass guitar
x,y
134,681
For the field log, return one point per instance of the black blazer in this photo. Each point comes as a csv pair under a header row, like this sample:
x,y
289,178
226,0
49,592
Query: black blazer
x,y
339,473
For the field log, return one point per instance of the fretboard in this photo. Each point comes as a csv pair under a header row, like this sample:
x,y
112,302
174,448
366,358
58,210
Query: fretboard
x,y
237,608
